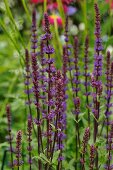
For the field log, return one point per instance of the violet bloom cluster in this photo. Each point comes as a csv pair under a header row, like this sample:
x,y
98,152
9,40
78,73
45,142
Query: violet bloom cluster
x,y
76,80
97,72
18,162
109,147
98,56
50,79
27,80
92,157
65,64
84,146
86,63
98,46
35,71
9,137
36,89
109,78
86,76
61,116
29,139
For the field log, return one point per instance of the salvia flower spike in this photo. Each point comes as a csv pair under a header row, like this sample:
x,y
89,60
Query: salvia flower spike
x,y
92,157
97,72
86,76
48,49
9,137
27,79
35,80
18,162
29,139
84,146
108,92
109,148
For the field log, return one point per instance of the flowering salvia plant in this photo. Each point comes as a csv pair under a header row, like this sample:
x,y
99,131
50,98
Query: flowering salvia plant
x,y
50,90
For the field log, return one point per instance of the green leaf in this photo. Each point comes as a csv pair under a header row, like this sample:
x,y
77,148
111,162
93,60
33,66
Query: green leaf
x,y
43,158
55,157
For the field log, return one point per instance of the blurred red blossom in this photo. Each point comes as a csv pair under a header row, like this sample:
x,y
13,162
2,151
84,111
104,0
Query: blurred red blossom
x,y
41,1
58,19
52,7
37,1
110,2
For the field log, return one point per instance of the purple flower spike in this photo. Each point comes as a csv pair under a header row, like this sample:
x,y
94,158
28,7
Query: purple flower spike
x,y
92,157
29,139
84,146
86,76
77,73
77,105
18,162
97,72
109,148
98,45
9,137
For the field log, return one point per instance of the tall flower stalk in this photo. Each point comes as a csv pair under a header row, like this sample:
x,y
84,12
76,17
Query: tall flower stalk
x,y
97,73
109,147
27,81
86,76
61,117
35,79
109,84
84,147
9,137
92,157
96,77
27,84
29,139
74,79
18,162
48,49
76,89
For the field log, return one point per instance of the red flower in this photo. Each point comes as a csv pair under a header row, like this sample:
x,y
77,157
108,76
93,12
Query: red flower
x,y
37,1
58,19
67,2
111,3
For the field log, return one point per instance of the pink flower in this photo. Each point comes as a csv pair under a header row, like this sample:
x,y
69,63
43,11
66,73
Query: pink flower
x,y
110,2
58,19
67,1
69,10
38,1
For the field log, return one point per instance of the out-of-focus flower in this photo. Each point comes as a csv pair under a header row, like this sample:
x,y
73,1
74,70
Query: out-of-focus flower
x,y
110,2
81,26
54,17
110,49
69,10
38,1
74,30
67,1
